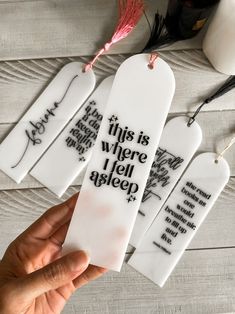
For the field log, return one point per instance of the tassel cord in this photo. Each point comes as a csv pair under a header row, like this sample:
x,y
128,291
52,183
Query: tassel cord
x,y
227,147
226,87
130,12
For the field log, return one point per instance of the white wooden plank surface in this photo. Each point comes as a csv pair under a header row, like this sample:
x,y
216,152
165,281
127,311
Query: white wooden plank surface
x,y
29,47
217,128
37,30
22,81
57,28
19,208
202,283
63,28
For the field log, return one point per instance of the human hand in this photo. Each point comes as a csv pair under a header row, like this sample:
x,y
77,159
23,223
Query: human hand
x,y
34,278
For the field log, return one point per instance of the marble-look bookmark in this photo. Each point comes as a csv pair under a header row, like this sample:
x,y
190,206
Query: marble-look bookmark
x,y
69,154
121,160
177,146
45,119
181,216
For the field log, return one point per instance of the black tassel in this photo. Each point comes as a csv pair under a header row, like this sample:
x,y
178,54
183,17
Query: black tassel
x,y
159,34
225,88
184,19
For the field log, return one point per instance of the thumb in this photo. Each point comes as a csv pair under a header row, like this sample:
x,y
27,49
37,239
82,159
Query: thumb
x,y
54,275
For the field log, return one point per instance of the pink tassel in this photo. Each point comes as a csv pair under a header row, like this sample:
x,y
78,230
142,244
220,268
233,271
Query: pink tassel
x,y
130,11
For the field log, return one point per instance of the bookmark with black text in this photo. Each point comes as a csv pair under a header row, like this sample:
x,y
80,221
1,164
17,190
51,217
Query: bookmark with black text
x,y
181,216
45,119
71,151
177,146
121,160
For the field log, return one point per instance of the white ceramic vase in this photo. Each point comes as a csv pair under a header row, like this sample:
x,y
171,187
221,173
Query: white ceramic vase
x,y
219,42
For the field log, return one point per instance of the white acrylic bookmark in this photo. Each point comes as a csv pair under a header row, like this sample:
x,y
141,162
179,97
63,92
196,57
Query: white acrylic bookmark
x,y
70,152
180,217
177,146
122,157
45,119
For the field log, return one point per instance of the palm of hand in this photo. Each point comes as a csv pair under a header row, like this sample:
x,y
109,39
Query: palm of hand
x,y
38,246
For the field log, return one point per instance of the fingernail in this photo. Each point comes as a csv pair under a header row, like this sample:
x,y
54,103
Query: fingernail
x,y
78,261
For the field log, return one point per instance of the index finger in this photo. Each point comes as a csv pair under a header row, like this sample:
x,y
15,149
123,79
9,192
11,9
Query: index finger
x,y
52,220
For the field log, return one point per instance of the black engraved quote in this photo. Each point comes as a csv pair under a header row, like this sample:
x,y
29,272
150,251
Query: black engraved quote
x,y
83,135
179,220
160,175
120,161
164,163
38,128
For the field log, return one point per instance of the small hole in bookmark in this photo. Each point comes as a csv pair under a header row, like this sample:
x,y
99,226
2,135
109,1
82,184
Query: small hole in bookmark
x,y
152,60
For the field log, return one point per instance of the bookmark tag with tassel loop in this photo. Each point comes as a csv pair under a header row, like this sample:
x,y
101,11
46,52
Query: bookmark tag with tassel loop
x,y
122,157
